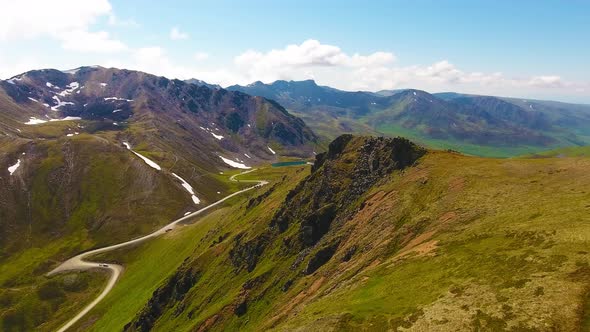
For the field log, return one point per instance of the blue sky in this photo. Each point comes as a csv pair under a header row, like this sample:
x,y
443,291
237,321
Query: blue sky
x,y
530,49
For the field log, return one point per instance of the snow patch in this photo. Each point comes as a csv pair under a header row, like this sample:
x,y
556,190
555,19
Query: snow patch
x,y
146,160
219,137
71,71
14,79
33,99
33,121
13,168
60,103
117,98
234,164
117,110
187,213
188,188
414,93
271,150
245,154
69,89
103,84
67,118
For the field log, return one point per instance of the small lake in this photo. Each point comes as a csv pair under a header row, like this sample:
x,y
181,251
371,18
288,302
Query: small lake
x,y
290,163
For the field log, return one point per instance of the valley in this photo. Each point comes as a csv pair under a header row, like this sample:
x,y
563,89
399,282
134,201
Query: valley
x,y
345,242
477,125
430,223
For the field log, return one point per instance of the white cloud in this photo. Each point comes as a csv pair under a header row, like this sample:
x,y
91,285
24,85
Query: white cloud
x,y
84,41
176,34
311,53
329,65
200,56
549,81
67,21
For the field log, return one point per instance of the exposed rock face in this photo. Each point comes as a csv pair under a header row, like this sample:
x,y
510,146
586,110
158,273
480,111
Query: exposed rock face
x,y
305,226
173,291
245,254
339,176
176,108
350,167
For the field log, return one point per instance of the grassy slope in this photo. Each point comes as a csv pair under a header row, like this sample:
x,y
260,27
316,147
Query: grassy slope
x,y
330,127
456,243
578,151
467,148
150,264
122,198
510,241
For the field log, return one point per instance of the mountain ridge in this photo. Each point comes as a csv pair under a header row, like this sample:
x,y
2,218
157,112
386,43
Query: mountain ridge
x,y
468,123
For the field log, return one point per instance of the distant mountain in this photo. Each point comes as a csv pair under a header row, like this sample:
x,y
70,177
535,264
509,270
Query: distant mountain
x,y
300,95
202,83
172,107
481,125
328,111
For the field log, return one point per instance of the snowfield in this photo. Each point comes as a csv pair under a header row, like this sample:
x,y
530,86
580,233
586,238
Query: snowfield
x,y
14,167
33,121
67,118
271,150
219,137
60,103
234,164
188,188
146,160
117,98
69,89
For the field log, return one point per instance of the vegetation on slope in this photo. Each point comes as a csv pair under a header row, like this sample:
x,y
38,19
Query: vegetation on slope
x,y
454,243
477,125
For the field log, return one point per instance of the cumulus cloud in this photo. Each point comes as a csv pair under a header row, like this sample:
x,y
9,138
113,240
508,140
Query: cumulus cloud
x,y
67,21
329,65
549,81
311,53
84,41
176,34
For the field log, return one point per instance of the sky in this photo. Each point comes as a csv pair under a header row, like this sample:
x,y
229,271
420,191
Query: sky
x,y
530,49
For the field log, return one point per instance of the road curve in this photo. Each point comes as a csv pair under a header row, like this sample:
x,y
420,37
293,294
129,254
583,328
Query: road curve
x,y
78,263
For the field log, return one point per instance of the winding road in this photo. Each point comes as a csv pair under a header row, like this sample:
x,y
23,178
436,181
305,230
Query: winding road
x,y
77,263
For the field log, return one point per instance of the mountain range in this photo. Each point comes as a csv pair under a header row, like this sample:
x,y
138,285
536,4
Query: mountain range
x,y
479,125
346,229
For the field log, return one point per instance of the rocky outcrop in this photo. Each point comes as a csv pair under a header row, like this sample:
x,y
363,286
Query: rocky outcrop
x,y
339,177
164,297
350,167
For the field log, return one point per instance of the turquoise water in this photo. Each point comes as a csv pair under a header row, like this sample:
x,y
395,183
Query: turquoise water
x,y
289,163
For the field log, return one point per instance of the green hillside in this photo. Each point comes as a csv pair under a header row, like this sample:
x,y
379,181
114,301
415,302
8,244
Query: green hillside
x,y
449,243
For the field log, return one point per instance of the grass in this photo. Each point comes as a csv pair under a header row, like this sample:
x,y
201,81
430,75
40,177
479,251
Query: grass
x,y
148,265
509,250
85,192
498,259
461,146
574,151
455,243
